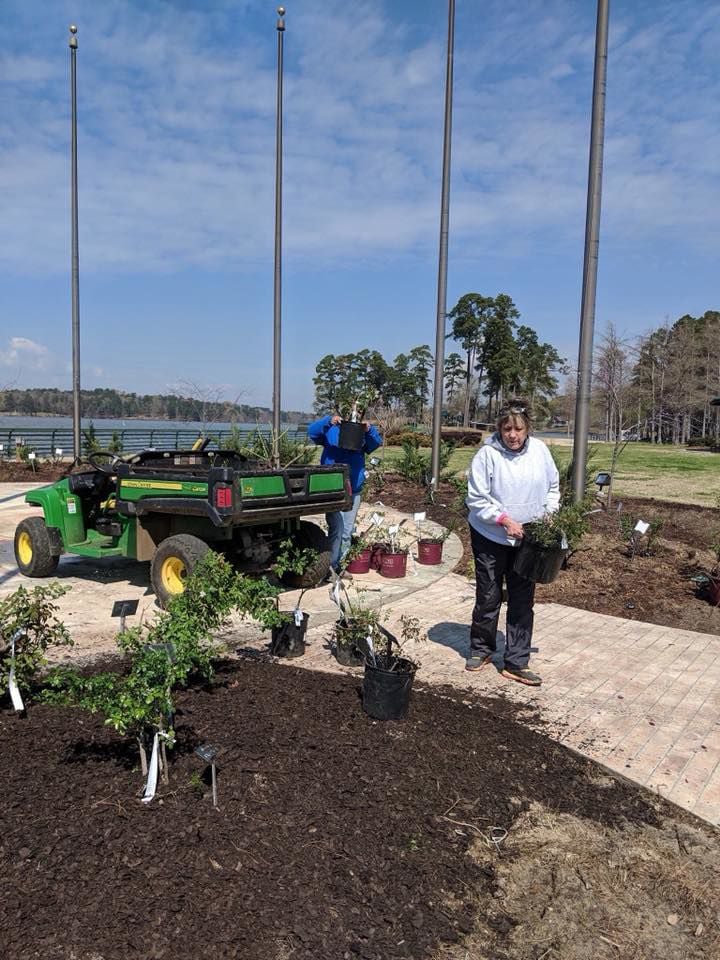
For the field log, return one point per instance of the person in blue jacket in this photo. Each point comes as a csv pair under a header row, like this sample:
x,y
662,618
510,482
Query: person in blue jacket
x,y
326,433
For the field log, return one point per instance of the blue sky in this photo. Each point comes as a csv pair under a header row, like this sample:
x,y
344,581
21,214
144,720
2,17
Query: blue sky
x,y
176,106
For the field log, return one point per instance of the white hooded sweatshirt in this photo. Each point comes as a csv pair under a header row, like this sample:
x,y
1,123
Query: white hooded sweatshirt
x,y
523,484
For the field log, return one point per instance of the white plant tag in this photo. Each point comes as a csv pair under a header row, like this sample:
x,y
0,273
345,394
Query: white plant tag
x,y
58,451
375,519
152,779
31,455
298,614
371,648
335,593
393,529
641,527
15,695
419,517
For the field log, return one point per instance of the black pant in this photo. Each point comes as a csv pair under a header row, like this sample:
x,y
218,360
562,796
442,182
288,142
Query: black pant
x,y
493,561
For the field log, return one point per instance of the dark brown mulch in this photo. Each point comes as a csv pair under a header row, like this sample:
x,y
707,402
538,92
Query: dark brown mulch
x,y
336,836
601,576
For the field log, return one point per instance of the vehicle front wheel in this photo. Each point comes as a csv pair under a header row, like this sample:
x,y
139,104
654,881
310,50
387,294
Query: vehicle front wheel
x,y
33,548
310,536
172,563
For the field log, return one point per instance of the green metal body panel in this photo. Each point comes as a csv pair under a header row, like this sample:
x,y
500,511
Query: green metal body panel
x,y
62,509
262,486
325,482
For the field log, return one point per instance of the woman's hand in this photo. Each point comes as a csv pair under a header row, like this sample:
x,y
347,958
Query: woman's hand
x,y
336,418
512,528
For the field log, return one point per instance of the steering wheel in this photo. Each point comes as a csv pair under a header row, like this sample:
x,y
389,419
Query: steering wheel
x,y
107,468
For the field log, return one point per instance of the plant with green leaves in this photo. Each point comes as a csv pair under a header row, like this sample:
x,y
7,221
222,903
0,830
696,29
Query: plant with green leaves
x,y
165,653
90,442
353,403
291,558
389,650
30,616
562,529
259,446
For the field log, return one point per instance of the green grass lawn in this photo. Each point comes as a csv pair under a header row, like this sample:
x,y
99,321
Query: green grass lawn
x,y
643,470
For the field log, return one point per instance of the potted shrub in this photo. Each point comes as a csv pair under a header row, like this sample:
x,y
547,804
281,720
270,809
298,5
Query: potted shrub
x,y
351,407
389,674
393,559
357,559
356,624
430,546
287,629
549,541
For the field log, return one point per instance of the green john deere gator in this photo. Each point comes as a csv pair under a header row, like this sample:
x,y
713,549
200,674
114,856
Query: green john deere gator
x,y
171,506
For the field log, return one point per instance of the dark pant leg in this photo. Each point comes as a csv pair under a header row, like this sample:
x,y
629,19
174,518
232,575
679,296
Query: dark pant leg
x,y
491,560
520,617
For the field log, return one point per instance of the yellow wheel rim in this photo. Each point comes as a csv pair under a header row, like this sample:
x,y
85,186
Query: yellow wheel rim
x,y
24,548
172,574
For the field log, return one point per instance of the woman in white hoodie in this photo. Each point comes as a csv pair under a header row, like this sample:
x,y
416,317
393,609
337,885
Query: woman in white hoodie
x,y
512,481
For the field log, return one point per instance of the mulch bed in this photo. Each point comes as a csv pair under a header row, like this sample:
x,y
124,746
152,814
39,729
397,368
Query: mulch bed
x,y
336,836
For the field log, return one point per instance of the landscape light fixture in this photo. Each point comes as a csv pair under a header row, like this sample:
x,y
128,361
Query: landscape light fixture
x,y
123,609
208,753
602,480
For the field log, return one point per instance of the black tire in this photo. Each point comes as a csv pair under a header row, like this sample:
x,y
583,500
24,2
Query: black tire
x,y
309,535
173,561
34,549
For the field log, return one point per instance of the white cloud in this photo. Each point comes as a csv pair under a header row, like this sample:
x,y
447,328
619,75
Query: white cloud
x,y
177,133
24,354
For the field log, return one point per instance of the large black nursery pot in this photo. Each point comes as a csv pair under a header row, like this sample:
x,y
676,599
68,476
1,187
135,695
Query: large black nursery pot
x,y
352,435
288,640
536,562
386,693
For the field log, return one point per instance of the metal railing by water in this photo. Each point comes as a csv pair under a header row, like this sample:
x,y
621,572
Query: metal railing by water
x,y
58,441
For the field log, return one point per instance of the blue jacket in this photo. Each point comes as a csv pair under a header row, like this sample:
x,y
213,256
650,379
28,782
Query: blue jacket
x,y
327,434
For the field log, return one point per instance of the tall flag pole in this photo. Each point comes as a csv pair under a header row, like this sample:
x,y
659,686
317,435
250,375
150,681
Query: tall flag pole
x,y
277,301
75,260
438,387
590,263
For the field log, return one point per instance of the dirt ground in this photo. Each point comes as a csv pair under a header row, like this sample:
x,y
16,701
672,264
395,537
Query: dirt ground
x,y
458,833
601,576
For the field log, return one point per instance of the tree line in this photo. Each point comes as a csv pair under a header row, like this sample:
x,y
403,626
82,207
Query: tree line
x,y
116,404
659,386
502,358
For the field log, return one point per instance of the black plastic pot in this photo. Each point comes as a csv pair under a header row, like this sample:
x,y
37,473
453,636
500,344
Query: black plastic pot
x,y
350,651
538,563
386,693
288,640
352,435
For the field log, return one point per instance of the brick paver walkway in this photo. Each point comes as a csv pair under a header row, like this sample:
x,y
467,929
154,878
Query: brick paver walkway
x,y
642,699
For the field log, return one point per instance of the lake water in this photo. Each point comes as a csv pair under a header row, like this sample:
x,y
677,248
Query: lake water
x,y
20,423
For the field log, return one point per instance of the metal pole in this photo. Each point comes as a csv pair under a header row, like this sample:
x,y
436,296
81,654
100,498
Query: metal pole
x,y
590,264
75,260
277,304
438,382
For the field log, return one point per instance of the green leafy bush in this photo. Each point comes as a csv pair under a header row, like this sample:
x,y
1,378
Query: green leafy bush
x,y
567,525
31,617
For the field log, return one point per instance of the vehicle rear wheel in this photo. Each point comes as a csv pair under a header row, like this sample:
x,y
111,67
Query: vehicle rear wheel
x,y
172,563
33,548
310,536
